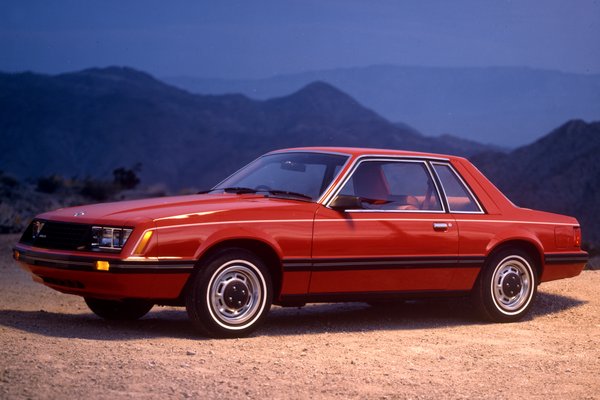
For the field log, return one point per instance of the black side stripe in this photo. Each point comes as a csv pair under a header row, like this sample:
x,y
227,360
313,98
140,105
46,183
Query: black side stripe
x,y
390,263
160,268
357,264
297,265
74,263
566,258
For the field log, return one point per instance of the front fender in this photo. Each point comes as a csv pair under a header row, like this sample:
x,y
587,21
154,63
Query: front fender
x,y
238,233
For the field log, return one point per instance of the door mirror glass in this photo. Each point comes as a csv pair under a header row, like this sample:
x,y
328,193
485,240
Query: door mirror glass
x,y
343,202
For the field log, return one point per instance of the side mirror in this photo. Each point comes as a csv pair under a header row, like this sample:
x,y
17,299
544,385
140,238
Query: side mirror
x,y
343,202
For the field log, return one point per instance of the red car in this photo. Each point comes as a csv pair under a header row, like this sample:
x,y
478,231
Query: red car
x,y
307,225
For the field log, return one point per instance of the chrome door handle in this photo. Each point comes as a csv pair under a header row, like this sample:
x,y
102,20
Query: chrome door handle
x,y
440,226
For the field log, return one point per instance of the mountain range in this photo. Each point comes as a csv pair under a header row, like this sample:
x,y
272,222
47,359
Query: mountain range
x,y
508,106
91,122
559,173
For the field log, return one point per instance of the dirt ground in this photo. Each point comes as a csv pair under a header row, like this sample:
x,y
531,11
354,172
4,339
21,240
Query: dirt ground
x,y
52,347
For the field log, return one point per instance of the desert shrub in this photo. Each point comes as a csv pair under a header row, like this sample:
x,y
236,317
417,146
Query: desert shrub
x,y
8,181
127,178
98,190
49,184
8,186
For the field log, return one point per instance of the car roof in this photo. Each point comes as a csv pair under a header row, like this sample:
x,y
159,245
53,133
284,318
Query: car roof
x,y
365,151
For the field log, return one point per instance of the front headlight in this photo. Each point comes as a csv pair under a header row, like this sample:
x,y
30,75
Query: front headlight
x,y
109,238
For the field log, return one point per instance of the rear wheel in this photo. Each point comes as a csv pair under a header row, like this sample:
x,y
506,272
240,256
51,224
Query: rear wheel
x,y
119,310
506,286
230,295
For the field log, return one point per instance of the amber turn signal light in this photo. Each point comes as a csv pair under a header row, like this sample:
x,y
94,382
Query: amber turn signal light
x,y
141,247
102,265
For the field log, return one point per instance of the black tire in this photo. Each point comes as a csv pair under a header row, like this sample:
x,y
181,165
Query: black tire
x,y
119,310
507,286
230,294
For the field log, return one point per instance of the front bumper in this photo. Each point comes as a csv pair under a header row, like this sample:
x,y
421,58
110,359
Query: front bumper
x,y
74,274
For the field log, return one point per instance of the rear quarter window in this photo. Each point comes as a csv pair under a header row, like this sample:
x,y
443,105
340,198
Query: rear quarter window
x,y
458,196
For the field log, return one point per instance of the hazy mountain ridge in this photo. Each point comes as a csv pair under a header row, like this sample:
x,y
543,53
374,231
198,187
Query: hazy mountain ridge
x,y
90,122
502,105
557,173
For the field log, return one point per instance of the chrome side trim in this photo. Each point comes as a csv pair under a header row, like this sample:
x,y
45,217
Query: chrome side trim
x,y
397,211
254,221
361,220
441,198
384,219
502,221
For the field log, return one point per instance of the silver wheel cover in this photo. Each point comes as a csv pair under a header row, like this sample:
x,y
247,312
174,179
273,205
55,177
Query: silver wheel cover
x,y
236,295
512,285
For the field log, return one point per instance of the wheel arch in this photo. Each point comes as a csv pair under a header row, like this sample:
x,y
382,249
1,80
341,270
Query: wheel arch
x,y
493,305
262,249
531,247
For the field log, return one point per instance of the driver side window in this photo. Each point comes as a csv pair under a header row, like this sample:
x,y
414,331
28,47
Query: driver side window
x,y
393,185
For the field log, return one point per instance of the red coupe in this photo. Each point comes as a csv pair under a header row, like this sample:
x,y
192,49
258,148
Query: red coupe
x,y
307,225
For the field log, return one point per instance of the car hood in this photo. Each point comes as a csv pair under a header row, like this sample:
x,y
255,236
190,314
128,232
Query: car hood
x,y
125,213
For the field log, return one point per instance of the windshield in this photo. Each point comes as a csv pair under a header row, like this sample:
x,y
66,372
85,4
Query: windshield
x,y
301,173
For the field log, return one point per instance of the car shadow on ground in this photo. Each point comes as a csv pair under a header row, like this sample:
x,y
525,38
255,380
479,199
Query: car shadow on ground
x,y
408,315
312,319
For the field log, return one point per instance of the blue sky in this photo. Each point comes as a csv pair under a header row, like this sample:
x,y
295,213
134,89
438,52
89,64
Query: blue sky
x,y
264,38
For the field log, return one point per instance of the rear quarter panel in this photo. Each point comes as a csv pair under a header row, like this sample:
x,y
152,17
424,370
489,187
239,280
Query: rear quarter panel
x,y
504,222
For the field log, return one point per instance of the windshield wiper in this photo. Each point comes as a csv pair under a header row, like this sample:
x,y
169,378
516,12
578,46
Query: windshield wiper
x,y
287,193
237,190
275,192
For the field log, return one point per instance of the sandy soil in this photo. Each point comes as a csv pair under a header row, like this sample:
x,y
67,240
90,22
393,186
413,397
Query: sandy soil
x,y
51,346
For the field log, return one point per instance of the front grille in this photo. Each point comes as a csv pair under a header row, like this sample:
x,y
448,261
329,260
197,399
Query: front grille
x,y
60,236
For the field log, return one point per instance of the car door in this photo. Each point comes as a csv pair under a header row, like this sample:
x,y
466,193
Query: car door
x,y
398,238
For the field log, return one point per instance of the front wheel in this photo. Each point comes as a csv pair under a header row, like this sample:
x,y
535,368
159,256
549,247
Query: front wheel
x,y
230,295
119,310
506,286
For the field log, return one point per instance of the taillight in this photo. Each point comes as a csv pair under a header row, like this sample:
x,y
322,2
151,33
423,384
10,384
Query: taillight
x,y
577,236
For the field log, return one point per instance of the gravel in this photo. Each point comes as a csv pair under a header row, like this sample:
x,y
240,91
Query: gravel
x,y
51,346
